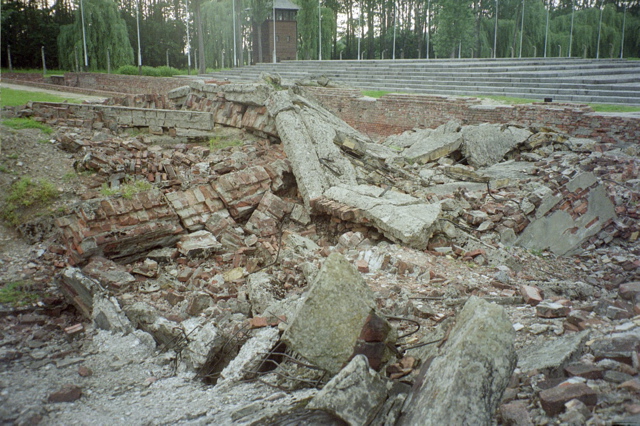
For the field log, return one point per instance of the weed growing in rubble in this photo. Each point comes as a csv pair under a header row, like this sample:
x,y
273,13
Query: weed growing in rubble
x,y
3,169
127,190
27,193
17,294
217,143
27,123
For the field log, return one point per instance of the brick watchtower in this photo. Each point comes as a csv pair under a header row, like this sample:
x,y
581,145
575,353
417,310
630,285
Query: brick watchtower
x,y
286,29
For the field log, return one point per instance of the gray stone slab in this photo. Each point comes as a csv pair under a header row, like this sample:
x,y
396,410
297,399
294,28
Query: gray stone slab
x,y
250,356
487,144
354,394
433,147
551,357
402,218
464,385
327,325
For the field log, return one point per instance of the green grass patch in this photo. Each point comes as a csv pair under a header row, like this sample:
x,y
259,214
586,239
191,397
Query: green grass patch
x,y
127,190
375,93
614,108
509,100
3,169
27,123
17,294
24,194
13,97
217,143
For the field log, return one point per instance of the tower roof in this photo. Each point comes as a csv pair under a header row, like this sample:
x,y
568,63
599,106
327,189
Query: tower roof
x,y
285,4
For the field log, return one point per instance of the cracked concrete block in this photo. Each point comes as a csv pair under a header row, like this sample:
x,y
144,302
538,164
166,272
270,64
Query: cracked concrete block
x,y
108,315
79,289
433,147
552,357
250,356
472,371
400,217
247,94
327,325
199,244
204,338
487,144
563,232
354,394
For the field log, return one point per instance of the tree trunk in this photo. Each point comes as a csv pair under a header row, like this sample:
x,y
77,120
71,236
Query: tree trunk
x,y
202,66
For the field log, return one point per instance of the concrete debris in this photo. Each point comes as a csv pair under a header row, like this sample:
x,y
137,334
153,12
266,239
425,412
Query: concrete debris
x,y
251,356
552,358
472,372
579,211
354,394
326,326
249,211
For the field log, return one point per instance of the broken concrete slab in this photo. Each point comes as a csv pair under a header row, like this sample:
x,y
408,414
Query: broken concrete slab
x,y
551,358
327,325
108,273
354,394
79,289
251,356
433,147
199,244
145,317
578,212
255,94
402,218
487,144
472,372
204,339
107,315
262,290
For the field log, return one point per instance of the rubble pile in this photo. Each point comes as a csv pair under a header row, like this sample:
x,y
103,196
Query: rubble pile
x,y
310,274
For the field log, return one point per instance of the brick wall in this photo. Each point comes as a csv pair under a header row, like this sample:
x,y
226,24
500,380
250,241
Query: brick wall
x,y
396,113
123,83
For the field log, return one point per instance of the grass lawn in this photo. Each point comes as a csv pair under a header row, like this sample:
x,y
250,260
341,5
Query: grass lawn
x,y
11,97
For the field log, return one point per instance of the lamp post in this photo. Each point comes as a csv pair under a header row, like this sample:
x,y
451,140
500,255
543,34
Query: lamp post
x,y
521,30
624,21
360,38
599,31
274,31
188,42
495,34
319,32
427,23
235,52
139,48
573,13
546,32
395,24
84,38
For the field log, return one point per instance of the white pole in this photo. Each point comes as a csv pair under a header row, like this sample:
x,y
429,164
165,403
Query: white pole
x,y
274,31
84,38
235,54
360,38
188,42
624,21
573,13
495,34
546,32
521,30
599,31
428,24
139,49
319,32
395,24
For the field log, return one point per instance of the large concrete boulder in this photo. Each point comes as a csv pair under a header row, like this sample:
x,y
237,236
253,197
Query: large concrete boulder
x,y
327,325
487,144
433,147
354,394
464,385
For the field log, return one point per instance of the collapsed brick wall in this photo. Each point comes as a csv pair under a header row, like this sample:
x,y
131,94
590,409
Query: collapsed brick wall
x,y
396,113
123,83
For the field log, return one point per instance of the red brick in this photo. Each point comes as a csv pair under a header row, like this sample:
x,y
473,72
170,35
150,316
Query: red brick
x,y
68,393
553,400
531,294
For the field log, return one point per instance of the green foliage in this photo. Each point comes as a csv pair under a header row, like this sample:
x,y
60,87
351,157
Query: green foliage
x,y
455,28
27,123
307,19
17,293
127,190
24,194
217,143
162,71
104,29
614,108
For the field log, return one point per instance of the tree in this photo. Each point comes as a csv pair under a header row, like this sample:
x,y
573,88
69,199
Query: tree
x,y
454,30
105,31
